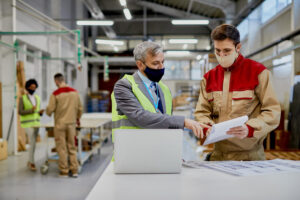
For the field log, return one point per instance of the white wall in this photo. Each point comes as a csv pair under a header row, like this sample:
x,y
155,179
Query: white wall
x,y
54,45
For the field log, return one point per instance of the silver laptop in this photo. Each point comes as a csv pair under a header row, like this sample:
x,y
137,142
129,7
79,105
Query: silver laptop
x,y
148,150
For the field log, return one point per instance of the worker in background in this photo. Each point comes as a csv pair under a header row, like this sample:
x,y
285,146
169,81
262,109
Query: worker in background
x,y
30,112
142,100
236,87
67,108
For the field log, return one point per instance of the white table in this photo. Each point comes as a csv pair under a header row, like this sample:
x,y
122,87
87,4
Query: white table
x,y
195,184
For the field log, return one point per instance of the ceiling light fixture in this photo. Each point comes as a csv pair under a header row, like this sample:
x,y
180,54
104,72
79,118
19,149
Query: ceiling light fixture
x,y
110,42
116,49
183,41
127,13
95,23
178,53
189,22
123,3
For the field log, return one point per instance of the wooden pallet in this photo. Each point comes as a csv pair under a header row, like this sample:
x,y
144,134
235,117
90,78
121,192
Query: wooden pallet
x,y
290,155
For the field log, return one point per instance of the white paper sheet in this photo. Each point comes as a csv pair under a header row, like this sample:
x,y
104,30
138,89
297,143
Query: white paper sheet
x,y
248,168
218,131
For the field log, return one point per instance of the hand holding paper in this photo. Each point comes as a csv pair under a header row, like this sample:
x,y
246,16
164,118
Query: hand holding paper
x,y
239,132
219,131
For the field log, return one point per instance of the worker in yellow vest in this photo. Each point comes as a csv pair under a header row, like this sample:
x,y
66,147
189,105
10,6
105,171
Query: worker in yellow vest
x,y
142,100
30,112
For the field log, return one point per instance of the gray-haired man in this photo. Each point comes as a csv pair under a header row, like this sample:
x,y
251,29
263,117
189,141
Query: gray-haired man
x,y
141,100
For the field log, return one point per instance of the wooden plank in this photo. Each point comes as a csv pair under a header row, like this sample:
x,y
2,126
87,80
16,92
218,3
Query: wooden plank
x,y
290,155
1,110
20,91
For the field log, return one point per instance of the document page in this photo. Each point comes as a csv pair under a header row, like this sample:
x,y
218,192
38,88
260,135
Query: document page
x,y
218,131
248,168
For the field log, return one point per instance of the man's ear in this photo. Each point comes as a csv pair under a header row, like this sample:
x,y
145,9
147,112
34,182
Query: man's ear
x,y
238,47
140,65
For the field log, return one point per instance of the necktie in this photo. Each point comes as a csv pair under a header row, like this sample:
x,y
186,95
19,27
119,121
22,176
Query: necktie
x,y
156,90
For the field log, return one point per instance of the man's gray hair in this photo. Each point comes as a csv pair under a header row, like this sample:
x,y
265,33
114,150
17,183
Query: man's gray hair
x,y
141,50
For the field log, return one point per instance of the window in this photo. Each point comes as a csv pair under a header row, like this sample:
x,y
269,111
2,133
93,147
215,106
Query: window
x,y
243,28
176,69
272,7
195,70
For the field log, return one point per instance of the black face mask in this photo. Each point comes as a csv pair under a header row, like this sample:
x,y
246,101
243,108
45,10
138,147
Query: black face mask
x,y
30,91
154,74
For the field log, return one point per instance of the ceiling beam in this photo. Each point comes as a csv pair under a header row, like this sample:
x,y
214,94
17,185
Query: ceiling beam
x,y
174,12
188,12
168,10
244,12
226,6
96,13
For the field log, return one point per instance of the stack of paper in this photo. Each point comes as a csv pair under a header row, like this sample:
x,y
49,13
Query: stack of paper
x,y
248,168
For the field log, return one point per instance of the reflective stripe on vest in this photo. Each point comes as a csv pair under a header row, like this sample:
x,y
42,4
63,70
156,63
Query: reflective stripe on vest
x,y
121,121
33,119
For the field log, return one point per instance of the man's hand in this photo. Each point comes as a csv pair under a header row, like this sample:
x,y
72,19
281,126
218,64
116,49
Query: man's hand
x,y
196,127
78,122
239,132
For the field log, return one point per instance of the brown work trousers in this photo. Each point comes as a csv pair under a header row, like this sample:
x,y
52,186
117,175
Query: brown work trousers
x,y
65,145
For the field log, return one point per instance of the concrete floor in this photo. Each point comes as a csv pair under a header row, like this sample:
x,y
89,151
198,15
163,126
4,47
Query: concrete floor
x,y
18,183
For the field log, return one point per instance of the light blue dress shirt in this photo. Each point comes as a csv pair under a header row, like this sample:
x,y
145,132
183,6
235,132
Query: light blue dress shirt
x,y
149,84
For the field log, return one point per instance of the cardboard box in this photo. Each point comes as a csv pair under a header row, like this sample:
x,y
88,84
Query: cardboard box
x,y
3,149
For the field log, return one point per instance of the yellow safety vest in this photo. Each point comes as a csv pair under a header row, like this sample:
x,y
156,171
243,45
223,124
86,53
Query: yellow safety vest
x,y
33,119
121,121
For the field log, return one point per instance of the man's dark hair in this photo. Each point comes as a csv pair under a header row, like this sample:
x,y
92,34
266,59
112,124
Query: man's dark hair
x,y
224,31
59,77
30,82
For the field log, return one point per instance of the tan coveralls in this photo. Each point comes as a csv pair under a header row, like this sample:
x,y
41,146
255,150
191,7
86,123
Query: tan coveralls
x,y
66,105
243,89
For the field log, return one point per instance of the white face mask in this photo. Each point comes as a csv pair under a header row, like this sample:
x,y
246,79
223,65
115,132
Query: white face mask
x,y
227,61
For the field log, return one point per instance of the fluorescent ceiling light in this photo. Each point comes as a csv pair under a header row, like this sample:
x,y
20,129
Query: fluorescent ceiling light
x,y
179,53
110,42
127,13
123,2
183,41
95,22
116,49
189,22
208,48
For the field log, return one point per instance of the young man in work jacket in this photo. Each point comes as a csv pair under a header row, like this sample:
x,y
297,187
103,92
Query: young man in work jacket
x,y
141,100
67,108
237,87
30,111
